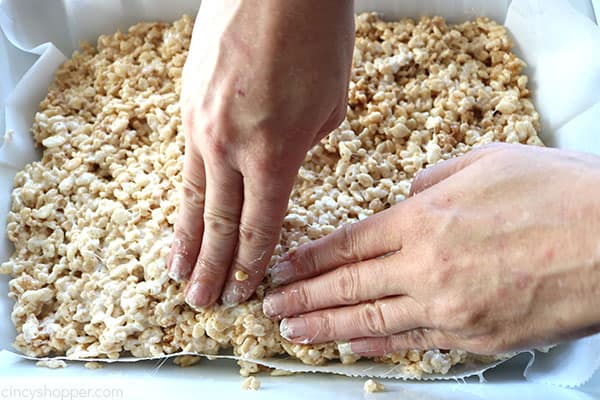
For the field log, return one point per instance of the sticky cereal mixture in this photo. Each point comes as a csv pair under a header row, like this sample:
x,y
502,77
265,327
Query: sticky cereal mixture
x,y
92,222
373,386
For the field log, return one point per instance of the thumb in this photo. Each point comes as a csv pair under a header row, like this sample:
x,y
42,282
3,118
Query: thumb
x,y
440,171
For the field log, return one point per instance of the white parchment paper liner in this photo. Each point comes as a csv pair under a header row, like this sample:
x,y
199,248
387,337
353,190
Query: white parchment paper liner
x,y
561,47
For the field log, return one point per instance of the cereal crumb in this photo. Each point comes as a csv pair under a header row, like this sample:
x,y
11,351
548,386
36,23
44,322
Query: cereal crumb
x,y
52,364
93,365
251,383
241,276
186,361
373,386
281,372
8,135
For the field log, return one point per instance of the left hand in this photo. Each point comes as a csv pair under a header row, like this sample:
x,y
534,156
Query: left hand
x,y
496,251
264,81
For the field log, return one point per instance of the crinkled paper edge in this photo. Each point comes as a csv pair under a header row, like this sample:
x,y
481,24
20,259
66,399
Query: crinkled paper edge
x,y
360,369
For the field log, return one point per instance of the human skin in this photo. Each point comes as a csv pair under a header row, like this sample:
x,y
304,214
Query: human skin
x,y
495,251
264,81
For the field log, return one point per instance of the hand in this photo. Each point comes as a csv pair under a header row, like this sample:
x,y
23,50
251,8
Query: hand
x,y
497,250
263,82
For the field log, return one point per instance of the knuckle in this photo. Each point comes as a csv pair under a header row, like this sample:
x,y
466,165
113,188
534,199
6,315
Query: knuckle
x,y
220,223
216,148
347,247
305,260
466,316
325,326
182,237
258,236
214,140
266,165
300,296
347,281
193,193
208,268
372,319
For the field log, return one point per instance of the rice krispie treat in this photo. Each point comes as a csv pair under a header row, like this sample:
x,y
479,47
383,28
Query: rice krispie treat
x,y
92,222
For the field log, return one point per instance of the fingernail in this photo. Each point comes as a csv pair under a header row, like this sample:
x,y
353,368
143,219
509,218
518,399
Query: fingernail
x,y
178,268
282,272
294,329
233,295
345,349
197,297
273,304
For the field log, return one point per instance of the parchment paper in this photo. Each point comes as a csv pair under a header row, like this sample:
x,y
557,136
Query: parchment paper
x,y
561,47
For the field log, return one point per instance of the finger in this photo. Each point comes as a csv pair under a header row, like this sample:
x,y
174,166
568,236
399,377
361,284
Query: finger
x,y
417,339
190,225
221,221
440,171
371,237
381,318
265,204
352,284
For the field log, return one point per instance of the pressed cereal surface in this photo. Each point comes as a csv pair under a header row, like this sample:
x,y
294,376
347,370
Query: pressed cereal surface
x,y
92,222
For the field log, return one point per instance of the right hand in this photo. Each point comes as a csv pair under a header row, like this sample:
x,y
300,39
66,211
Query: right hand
x,y
496,251
264,81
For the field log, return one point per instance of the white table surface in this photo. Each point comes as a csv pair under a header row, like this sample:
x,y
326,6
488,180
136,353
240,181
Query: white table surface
x,y
220,379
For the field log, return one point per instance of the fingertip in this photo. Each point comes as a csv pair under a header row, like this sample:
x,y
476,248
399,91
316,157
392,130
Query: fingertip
x,y
272,305
179,269
198,296
295,330
179,265
239,287
283,273
233,295
284,330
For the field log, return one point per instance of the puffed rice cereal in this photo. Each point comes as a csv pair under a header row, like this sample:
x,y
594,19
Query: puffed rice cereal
x,y
92,221
51,364
93,365
373,386
251,383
